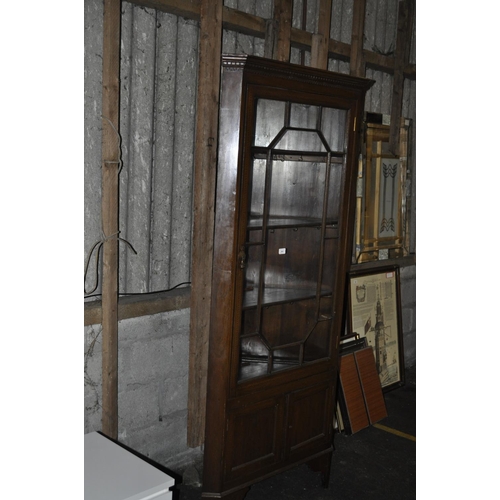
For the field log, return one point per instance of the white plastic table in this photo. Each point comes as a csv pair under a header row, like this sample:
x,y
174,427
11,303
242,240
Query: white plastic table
x,y
113,473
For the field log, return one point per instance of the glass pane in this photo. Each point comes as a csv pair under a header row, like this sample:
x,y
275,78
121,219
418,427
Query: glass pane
x,y
252,267
292,259
254,357
329,257
317,345
298,140
304,116
257,186
297,189
284,324
333,126
269,121
249,322
285,358
334,192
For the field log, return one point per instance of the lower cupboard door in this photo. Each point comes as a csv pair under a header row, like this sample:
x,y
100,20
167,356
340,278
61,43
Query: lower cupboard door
x,y
254,439
310,422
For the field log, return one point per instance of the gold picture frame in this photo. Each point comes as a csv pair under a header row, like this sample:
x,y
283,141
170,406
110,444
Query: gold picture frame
x,y
382,223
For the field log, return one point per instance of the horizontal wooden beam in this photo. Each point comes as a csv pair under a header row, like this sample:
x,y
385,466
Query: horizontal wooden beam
x,y
248,24
189,9
387,64
132,306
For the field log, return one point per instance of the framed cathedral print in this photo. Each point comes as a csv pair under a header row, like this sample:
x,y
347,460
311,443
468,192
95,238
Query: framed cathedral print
x,y
374,312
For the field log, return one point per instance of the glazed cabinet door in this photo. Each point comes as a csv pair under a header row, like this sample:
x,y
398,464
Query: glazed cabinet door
x,y
288,242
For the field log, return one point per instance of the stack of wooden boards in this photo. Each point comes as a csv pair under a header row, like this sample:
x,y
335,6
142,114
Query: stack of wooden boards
x,y
361,401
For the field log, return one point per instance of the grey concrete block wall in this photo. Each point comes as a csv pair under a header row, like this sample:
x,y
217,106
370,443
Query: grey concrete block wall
x,y
153,371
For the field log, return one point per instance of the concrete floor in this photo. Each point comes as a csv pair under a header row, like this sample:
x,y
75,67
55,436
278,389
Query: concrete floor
x,y
373,464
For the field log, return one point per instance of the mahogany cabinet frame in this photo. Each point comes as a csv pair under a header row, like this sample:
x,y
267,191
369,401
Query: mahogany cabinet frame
x,y
261,426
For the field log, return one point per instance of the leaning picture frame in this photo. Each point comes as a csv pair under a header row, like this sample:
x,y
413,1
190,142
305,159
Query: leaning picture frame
x,y
374,312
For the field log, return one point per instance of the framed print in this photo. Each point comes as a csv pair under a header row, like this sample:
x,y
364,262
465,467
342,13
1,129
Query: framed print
x,y
383,193
374,312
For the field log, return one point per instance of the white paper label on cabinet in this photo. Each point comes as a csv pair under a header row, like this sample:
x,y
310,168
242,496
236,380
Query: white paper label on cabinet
x,y
282,251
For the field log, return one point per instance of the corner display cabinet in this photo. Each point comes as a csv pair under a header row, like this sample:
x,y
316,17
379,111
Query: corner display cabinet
x,y
287,165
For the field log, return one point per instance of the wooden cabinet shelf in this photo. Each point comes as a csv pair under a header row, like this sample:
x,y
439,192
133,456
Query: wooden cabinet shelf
x,y
302,156
271,296
277,222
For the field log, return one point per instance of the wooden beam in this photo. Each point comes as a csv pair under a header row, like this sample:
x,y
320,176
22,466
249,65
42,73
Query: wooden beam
x,y
405,23
339,50
282,23
110,201
205,162
357,67
247,24
319,46
134,306
380,62
189,9
300,39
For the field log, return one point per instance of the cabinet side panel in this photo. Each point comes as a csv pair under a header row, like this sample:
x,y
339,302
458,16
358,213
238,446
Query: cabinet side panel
x,y
223,278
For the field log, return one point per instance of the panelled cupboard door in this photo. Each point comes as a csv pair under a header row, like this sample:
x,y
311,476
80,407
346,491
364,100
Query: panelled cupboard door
x,y
309,428
254,438
287,164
